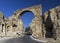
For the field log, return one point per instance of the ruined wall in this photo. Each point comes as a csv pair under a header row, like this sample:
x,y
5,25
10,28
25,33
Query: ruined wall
x,y
35,26
17,26
54,15
2,23
10,26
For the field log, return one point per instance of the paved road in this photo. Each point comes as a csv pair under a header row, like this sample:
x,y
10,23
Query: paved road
x,y
25,39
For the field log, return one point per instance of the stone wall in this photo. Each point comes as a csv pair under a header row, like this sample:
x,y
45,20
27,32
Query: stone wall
x,y
36,27
54,15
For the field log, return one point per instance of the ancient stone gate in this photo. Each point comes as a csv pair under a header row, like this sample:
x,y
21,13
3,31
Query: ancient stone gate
x,y
14,25
36,24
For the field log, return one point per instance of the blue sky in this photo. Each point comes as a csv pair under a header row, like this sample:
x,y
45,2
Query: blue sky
x,y
9,6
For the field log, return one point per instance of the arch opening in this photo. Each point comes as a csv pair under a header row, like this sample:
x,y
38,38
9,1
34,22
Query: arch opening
x,y
27,17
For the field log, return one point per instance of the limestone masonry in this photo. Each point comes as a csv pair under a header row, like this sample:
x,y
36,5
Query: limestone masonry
x,y
45,25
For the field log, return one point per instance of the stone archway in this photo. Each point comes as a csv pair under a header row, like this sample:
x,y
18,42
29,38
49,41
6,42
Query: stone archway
x,y
27,17
36,24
